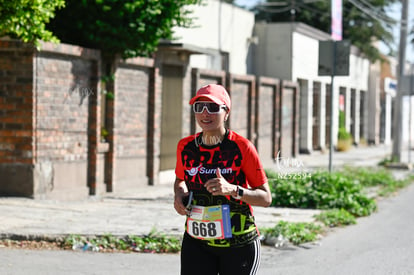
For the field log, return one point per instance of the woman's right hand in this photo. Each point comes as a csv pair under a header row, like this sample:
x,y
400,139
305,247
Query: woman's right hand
x,y
178,203
180,192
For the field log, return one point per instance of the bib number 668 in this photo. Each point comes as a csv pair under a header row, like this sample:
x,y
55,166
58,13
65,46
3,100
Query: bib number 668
x,y
204,229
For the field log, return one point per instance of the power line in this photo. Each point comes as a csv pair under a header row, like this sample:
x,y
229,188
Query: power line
x,y
289,6
363,5
380,12
377,15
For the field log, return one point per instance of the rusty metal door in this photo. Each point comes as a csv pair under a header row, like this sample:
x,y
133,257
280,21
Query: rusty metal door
x,y
171,122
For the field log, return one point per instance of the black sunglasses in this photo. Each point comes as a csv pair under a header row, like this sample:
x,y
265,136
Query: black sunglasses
x,y
212,108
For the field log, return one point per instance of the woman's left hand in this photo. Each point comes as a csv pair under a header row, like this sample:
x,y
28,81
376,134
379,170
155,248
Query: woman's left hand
x,y
219,185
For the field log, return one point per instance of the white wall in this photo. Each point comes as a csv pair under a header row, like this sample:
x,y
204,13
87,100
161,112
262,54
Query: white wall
x,y
305,58
219,27
305,65
407,131
291,52
273,52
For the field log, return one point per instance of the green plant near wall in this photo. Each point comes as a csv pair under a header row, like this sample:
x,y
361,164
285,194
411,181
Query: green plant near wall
x,y
341,119
154,242
104,82
344,140
376,177
344,189
344,137
104,133
343,134
336,217
388,160
323,190
296,233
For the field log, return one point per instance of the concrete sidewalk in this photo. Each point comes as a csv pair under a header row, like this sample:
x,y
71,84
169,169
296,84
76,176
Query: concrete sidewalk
x,y
136,214
146,208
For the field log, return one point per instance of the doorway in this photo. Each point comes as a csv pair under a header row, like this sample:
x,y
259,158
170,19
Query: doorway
x,y
171,114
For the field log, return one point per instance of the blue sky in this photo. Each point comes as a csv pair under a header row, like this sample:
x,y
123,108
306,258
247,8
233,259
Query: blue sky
x,y
394,12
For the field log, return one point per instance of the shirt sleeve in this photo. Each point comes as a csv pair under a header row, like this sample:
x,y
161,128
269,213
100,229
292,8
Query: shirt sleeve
x,y
179,168
252,166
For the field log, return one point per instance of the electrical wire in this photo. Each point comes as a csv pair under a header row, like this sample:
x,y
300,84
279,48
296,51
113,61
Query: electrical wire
x,y
363,5
376,16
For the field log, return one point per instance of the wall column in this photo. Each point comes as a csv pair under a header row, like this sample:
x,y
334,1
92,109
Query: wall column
x,y
357,116
322,115
305,121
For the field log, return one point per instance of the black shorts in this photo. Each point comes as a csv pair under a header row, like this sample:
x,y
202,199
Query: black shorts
x,y
201,259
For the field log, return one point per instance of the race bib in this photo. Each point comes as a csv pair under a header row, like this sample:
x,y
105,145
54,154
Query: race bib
x,y
209,222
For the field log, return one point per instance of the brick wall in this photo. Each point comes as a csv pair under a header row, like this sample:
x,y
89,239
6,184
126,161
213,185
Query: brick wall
x,y
50,119
17,147
268,135
16,104
242,116
291,89
62,87
67,91
131,117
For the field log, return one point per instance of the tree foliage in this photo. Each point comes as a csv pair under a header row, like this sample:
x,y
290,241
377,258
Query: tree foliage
x,y
364,22
129,28
26,19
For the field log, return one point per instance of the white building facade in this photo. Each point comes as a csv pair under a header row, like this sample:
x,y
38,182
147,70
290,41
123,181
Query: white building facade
x,y
291,51
223,32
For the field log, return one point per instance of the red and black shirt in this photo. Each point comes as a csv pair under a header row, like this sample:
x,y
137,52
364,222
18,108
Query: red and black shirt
x,y
239,164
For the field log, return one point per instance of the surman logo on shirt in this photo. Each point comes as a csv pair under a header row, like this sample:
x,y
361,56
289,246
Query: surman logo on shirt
x,y
202,170
193,171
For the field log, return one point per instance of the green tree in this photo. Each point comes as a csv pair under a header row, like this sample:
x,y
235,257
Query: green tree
x,y
363,21
128,28
26,20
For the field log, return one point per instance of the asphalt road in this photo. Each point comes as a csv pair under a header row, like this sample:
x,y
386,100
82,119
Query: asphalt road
x,y
382,243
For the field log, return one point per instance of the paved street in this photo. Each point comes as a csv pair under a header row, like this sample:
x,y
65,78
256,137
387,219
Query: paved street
x,y
381,244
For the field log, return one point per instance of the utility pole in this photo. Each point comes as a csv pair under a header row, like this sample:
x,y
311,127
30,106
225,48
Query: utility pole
x,y
409,118
332,91
398,115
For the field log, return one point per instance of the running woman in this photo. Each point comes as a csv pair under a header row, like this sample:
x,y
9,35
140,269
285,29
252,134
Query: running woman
x,y
219,176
